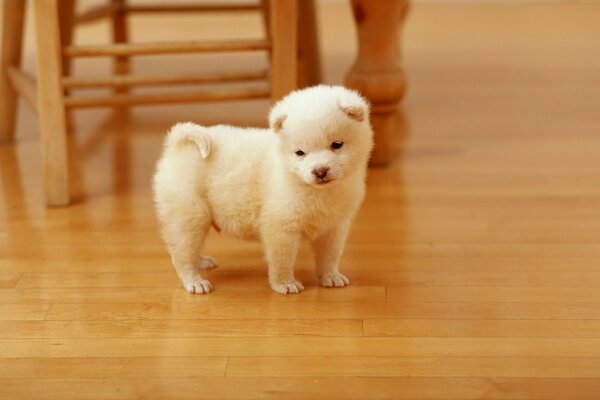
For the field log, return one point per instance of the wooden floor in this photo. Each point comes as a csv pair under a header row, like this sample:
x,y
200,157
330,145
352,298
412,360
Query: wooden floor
x,y
475,260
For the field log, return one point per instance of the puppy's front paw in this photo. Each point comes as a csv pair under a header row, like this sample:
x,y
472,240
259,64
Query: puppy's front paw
x,y
207,263
198,286
286,288
334,279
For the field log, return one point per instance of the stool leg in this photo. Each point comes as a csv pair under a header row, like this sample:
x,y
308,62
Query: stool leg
x,y
284,47
309,60
12,40
120,35
51,103
66,22
66,18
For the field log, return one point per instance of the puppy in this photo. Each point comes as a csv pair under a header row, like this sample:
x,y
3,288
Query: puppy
x,y
302,178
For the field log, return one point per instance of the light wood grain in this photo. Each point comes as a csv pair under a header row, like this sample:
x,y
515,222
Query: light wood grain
x,y
473,261
13,15
24,85
343,310
95,13
157,80
106,367
120,35
309,52
356,388
23,312
8,279
255,272
66,18
493,293
222,7
53,122
572,328
230,293
301,347
196,96
11,329
130,49
501,367
284,47
104,10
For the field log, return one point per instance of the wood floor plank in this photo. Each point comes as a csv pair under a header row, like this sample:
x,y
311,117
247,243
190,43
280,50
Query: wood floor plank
x,y
499,367
492,294
8,279
301,347
227,294
107,367
131,260
180,328
532,249
23,312
440,277
380,258
210,308
354,388
570,328
353,293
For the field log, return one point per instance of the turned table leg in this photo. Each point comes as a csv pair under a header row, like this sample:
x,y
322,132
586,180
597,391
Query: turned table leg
x,y
377,73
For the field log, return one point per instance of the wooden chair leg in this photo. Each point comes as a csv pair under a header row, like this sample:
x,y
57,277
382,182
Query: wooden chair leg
x,y
66,18
120,34
284,47
309,60
51,103
12,41
66,15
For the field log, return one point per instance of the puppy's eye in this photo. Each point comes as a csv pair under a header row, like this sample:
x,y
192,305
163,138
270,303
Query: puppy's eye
x,y
300,153
337,145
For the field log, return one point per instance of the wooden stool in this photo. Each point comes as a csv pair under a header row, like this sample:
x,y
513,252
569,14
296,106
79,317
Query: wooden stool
x,y
54,51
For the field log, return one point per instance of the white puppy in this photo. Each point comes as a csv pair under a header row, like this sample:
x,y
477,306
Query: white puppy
x,y
302,178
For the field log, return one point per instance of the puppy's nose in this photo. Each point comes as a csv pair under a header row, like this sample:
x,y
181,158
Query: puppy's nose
x,y
320,172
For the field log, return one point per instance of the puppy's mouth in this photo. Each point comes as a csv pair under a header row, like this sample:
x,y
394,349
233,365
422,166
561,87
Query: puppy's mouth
x,y
324,181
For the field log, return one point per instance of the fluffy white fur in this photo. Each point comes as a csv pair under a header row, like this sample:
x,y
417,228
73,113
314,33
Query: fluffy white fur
x,y
251,183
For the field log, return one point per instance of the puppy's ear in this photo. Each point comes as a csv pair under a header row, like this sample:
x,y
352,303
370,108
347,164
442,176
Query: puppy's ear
x,y
277,117
355,109
354,112
277,122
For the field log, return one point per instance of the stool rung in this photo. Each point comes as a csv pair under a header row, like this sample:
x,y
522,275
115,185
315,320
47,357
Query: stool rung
x,y
108,9
131,49
167,97
151,8
158,80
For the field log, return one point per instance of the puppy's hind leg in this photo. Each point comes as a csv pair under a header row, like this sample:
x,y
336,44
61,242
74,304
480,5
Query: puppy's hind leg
x,y
184,232
185,217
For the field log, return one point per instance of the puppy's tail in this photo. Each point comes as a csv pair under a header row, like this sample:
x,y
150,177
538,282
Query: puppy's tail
x,y
185,133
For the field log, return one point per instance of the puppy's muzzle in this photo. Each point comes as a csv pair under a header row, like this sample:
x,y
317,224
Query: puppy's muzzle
x,y
321,174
